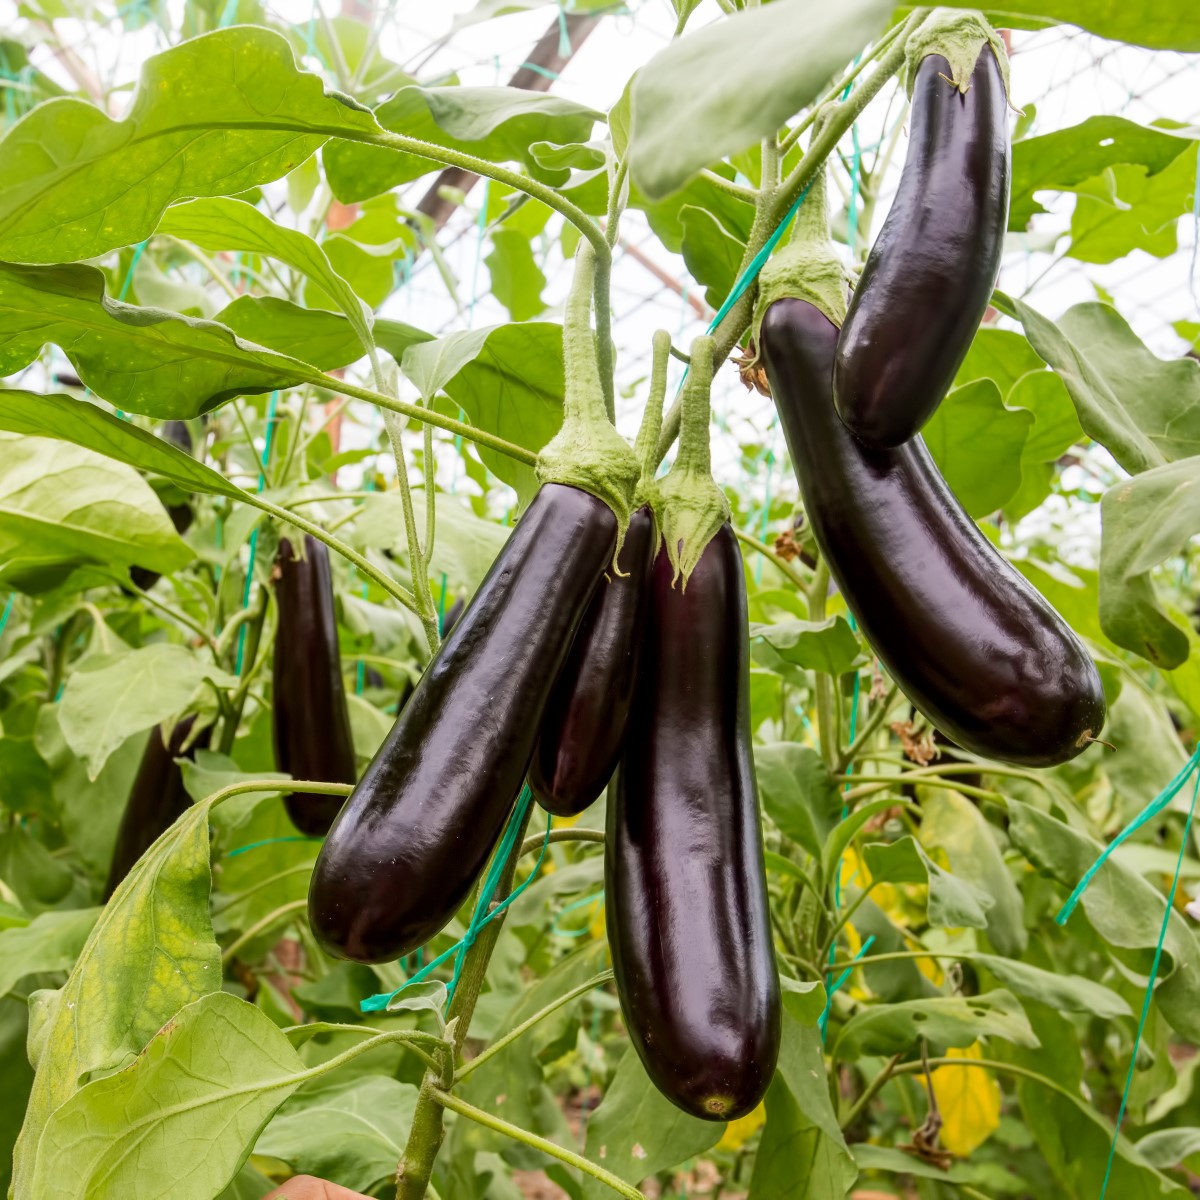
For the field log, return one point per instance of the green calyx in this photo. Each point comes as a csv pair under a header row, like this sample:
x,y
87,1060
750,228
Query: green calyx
x,y
646,446
690,507
959,36
588,452
807,268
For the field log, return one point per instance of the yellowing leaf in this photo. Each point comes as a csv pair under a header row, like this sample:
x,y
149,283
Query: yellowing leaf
x,y
738,1133
969,1101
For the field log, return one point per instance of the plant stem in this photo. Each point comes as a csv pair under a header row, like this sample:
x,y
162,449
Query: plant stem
x,y
990,1064
749,194
512,1035
253,635
446,1100
880,783
181,617
536,841
870,1091
870,727
776,560
261,925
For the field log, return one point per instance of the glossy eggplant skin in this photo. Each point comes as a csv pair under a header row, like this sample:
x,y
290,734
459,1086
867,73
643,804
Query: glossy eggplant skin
x,y
409,844
971,644
310,720
686,894
584,727
930,274
156,800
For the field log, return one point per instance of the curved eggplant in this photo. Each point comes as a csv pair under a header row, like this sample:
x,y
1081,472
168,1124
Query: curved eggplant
x,y
930,274
156,800
972,645
414,836
584,726
684,881
310,720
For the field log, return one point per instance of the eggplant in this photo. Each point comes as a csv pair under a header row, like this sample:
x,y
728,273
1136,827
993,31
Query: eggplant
x,y
451,615
930,274
413,837
309,718
584,727
977,649
686,893
156,800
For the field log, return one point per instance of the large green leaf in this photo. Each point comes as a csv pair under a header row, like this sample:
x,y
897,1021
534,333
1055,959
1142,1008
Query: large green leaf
x,y
1062,992
830,645
1145,520
637,1132
1143,409
157,927
978,443
942,1021
509,381
212,116
956,826
1125,210
50,942
220,224
711,253
517,280
1123,909
143,360
109,697
719,90
64,506
953,903
498,124
179,1120
1066,158
1159,24
797,792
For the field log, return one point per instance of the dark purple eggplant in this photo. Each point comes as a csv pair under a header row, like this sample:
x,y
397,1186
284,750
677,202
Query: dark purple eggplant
x,y
414,836
584,726
310,720
930,274
972,645
157,799
451,615
684,881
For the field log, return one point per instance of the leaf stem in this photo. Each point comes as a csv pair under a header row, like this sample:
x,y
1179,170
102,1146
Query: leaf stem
x,y
454,1104
535,841
740,190
775,559
261,925
869,729
526,1025
870,1091
180,617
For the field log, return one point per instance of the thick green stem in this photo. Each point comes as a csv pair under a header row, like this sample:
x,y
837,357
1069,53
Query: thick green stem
x,y
870,727
249,652
780,563
870,1091
536,841
539,1143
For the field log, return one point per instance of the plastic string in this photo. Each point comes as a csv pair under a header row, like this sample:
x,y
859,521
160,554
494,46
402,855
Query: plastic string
x,y
823,1019
1155,806
8,607
575,905
271,842
485,912
262,481
565,49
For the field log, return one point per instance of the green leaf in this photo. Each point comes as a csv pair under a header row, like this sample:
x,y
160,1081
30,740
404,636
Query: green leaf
x,y
953,903
38,879
637,1132
950,821
86,425
978,443
63,506
26,778
221,224
212,116
50,942
1143,409
16,1078
797,792
844,832
943,1021
712,254
1063,993
830,645
352,1131
179,1120
1169,1147
1145,520
517,280
109,697
1159,24
1125,210
498,124
509,381
717,91
1066,158
143,360
1122,907
157,927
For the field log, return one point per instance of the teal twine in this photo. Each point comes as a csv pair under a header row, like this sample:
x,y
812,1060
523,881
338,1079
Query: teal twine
x,y
138,250
8,607
823,1019
442,608
545,74
484,913
1175,784
565,49
228,13
574,906
1156,806
262,482
271,842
